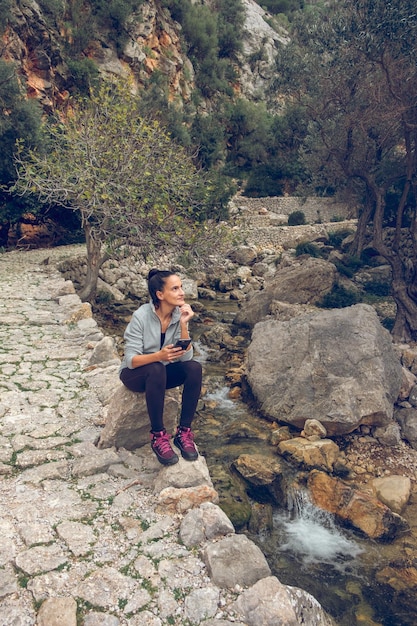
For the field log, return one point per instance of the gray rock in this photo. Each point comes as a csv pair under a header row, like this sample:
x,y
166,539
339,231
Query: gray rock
x,y
305,281
270,603
389,435
41,559
201,604
205,523
337,366
98,462
78,537
127,423
235,560
407,419
104,351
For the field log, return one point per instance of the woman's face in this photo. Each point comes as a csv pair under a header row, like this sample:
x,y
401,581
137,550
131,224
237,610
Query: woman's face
x,y
172,292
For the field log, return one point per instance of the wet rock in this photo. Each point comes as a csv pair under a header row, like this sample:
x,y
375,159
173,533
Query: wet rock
x,y
263,475
321,454
280,434
394,491
355,506
261,520
233,498
313,427
399,580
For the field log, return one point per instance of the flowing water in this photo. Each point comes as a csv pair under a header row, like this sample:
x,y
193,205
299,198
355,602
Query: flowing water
x,y
305,547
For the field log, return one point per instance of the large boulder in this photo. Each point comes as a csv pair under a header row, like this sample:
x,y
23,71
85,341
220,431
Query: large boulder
x,y
355,506
127,424
305,281
235,560
337,366
270,603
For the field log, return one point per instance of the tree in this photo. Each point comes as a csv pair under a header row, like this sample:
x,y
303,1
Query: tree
x,y
127,179
20,118
353,69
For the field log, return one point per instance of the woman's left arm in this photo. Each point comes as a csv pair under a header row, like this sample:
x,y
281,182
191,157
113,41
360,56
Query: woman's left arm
x,y
186,314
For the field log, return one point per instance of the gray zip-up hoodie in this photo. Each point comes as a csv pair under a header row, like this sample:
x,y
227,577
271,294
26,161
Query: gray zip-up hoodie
x,y
143,334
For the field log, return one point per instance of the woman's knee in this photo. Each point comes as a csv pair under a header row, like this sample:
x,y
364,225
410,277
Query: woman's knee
x,y
194,370
156,371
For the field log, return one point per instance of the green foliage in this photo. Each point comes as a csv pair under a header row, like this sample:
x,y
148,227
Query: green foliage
x,y
213,38
378,287
348,265
84,75
388,323
19,119
127,178
5,7
53,8
208,135
296,218
277,167
339,298
335,238
308,247
282,6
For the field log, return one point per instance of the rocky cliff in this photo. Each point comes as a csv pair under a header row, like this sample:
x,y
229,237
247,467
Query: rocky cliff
x,y
38,40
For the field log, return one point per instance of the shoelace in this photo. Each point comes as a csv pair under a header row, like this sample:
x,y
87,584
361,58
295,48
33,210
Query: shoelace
x,y
162,443
187,438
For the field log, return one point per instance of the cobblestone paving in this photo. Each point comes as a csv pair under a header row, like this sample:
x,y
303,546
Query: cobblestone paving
x,y
81,542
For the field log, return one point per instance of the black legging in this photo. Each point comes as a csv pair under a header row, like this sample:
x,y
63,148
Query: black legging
x,y
154,378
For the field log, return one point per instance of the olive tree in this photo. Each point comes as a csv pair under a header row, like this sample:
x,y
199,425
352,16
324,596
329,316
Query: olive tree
x,y
353,70
125,176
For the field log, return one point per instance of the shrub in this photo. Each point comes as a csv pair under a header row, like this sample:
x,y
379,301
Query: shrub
x,y
296,218
348,265
378,287
84,74
388,323
335,239
307,247
338,298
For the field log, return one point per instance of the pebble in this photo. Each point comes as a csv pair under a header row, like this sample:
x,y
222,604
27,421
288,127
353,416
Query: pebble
x,y
81,540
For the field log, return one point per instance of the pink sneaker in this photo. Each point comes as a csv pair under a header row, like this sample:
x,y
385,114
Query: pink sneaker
x,y
161,446
184,440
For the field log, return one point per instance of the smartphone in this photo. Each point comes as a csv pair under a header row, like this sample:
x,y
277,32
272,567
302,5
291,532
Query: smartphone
x,y
182,343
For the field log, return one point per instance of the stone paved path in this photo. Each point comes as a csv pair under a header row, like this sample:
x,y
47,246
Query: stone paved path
x,y
81,541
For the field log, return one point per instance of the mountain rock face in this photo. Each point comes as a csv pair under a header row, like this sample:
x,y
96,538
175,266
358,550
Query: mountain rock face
x,y
260,45
35,42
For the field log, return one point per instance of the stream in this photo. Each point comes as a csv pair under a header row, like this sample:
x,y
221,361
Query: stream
x,y
305,547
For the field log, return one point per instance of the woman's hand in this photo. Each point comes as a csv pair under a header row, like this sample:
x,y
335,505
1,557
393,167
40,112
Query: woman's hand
x,y
186,313
170,353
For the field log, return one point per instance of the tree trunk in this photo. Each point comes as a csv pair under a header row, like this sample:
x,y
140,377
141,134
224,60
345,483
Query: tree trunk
x,y
94,262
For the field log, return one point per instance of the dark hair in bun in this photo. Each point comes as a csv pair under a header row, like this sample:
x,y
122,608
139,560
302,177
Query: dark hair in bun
x,y
156,282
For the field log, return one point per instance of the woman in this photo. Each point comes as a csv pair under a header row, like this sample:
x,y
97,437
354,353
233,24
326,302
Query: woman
x,y
152,362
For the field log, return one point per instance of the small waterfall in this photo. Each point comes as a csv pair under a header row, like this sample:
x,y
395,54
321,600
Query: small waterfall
x,y
312,535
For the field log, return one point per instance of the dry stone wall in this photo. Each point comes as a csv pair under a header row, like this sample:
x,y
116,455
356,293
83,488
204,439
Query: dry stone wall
x,y
315,209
